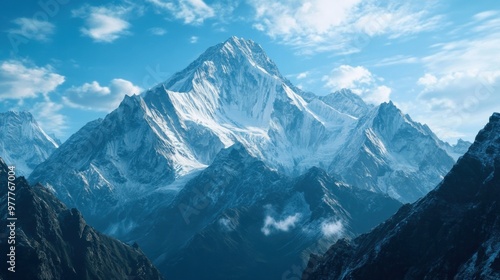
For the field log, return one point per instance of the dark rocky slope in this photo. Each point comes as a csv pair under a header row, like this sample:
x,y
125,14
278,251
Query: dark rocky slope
x,y
54,242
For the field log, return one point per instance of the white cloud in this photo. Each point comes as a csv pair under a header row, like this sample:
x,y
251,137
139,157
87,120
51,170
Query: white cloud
x,y
346,76
332,228
32,28
461,84
93,96
378,95
190,11
47,114
428,80
302,75
104,24
343,26
270,224
193,39
158,31
360,80
227,224
19,81
395,20
484,15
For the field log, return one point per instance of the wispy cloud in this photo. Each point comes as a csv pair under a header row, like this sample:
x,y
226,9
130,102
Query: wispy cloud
x,y
193,39
360,80
345,26
485,15
460,86
48,115
270,224
104,24
33,29
158,31
330,229
193,12
227,224
396,60
93,96
19,80
302,75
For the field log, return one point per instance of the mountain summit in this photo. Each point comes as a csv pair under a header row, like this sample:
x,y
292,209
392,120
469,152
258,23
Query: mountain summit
x,y
234,93
23,142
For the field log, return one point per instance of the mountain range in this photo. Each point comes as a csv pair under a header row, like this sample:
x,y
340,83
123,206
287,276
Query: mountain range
x,y
233,93
230,166
451,233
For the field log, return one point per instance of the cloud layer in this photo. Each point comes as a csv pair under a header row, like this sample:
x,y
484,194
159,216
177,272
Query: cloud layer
x,y
344,26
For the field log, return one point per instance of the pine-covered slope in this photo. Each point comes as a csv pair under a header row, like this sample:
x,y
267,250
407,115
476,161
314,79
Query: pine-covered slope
x,y
451,233
23,142
54,242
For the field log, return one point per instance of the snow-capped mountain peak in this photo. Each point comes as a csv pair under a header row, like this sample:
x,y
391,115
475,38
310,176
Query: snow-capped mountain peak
x,y
23,142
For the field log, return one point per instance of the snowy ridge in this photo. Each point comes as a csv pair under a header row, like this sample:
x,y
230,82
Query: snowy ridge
x,y
23,142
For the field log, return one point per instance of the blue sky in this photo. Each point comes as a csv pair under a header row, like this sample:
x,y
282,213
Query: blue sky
x,y
70,62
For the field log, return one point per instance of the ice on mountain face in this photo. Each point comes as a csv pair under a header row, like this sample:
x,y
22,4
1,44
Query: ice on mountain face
x,y
387,152
22,142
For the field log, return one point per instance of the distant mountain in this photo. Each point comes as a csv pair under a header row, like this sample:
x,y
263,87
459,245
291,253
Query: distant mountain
x,y
54,242
388,152
451,233
23,142
240,219
457,150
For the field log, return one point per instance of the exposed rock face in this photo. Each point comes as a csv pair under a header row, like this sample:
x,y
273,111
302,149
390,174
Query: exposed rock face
x,y
54,242
452,233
